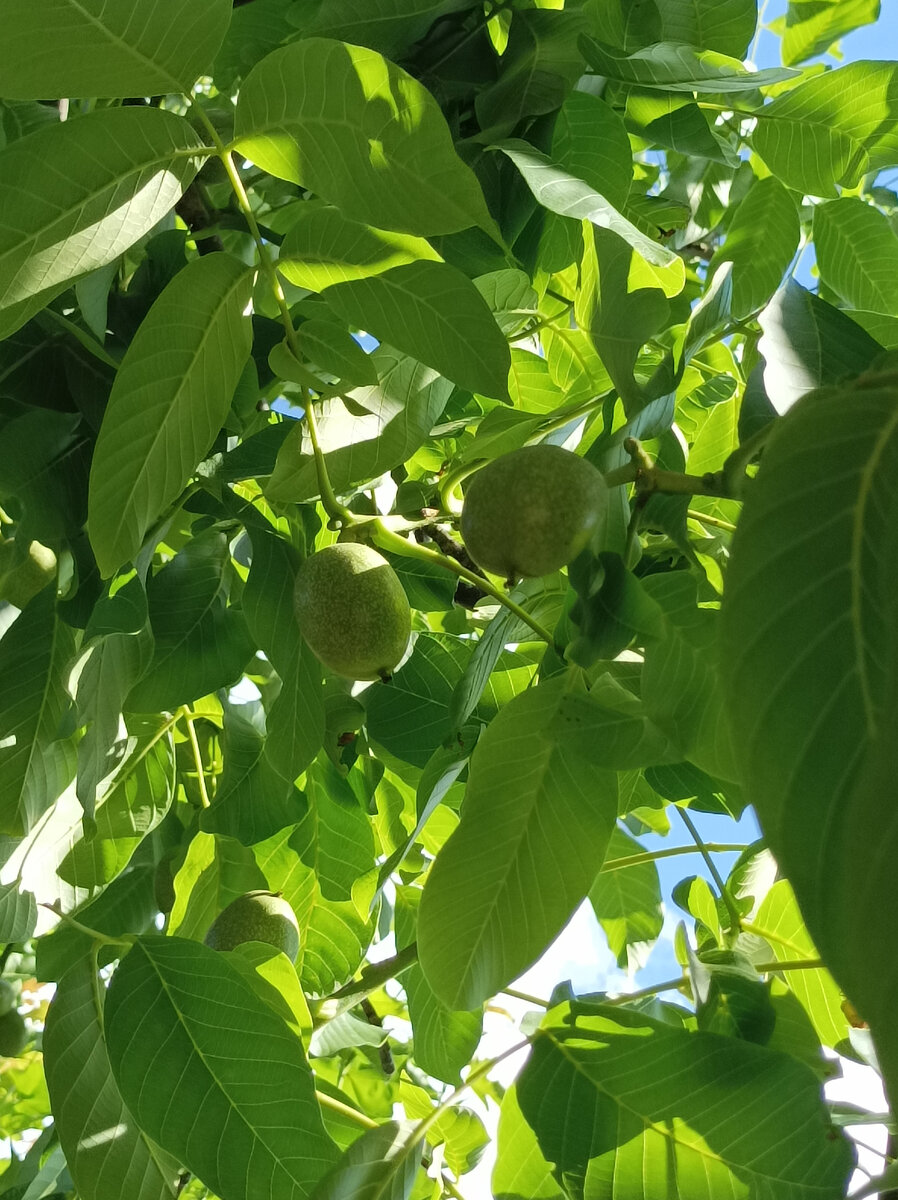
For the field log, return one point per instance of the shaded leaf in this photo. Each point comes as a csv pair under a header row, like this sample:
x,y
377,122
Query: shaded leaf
x,y
380,1165
445,1040
678,68
627,901
106,1153
34,657
18,913
432,311
814,567
201,643
760,243
91,48
563,193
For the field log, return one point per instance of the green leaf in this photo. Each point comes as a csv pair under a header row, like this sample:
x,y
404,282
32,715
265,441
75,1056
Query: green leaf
x,y
105,674
810,663
333,349
396,418
128,905
727,26
627,902
216,870
125,168
81,48
669,119
341,842
607,726
615,1095
816,990
674,67
390,26
380,1165
18,913
561,192
540,65
761,241
178,1013
35,653
323,247
445,1040
410,716
434,312
106,1153
681,686
590,141
362,134
833,128
884,329
139,798
252,801
857,254
813,26
521,1172
618,314
200,642
169,400
534,829
295,721
336,940
806,343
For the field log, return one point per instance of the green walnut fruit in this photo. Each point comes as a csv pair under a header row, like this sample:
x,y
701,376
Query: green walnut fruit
x,y
8,996
352,610
532,511
256,917
24,571
13,1034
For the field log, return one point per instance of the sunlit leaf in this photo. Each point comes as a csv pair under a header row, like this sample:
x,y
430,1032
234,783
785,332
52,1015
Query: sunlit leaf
x,y
125,168
362,134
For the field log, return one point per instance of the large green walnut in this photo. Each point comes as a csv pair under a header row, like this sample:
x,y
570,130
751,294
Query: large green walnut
x,y
13,1034
256,917
352,610
24,571
531,511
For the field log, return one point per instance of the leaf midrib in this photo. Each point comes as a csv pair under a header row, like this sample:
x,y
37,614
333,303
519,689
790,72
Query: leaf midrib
x,y
131,51
664,1132
196,1050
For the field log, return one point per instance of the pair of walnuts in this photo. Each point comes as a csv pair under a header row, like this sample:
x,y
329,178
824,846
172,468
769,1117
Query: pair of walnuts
x,y
526,514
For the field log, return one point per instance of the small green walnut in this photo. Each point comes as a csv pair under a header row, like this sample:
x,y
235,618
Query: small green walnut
x,y
256,917
352,610
13,1034
531,511
24,570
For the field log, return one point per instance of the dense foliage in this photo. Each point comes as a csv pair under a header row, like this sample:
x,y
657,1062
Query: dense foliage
x,y
287,276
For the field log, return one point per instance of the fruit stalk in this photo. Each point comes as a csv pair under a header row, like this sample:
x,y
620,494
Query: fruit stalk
x,y
386,539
